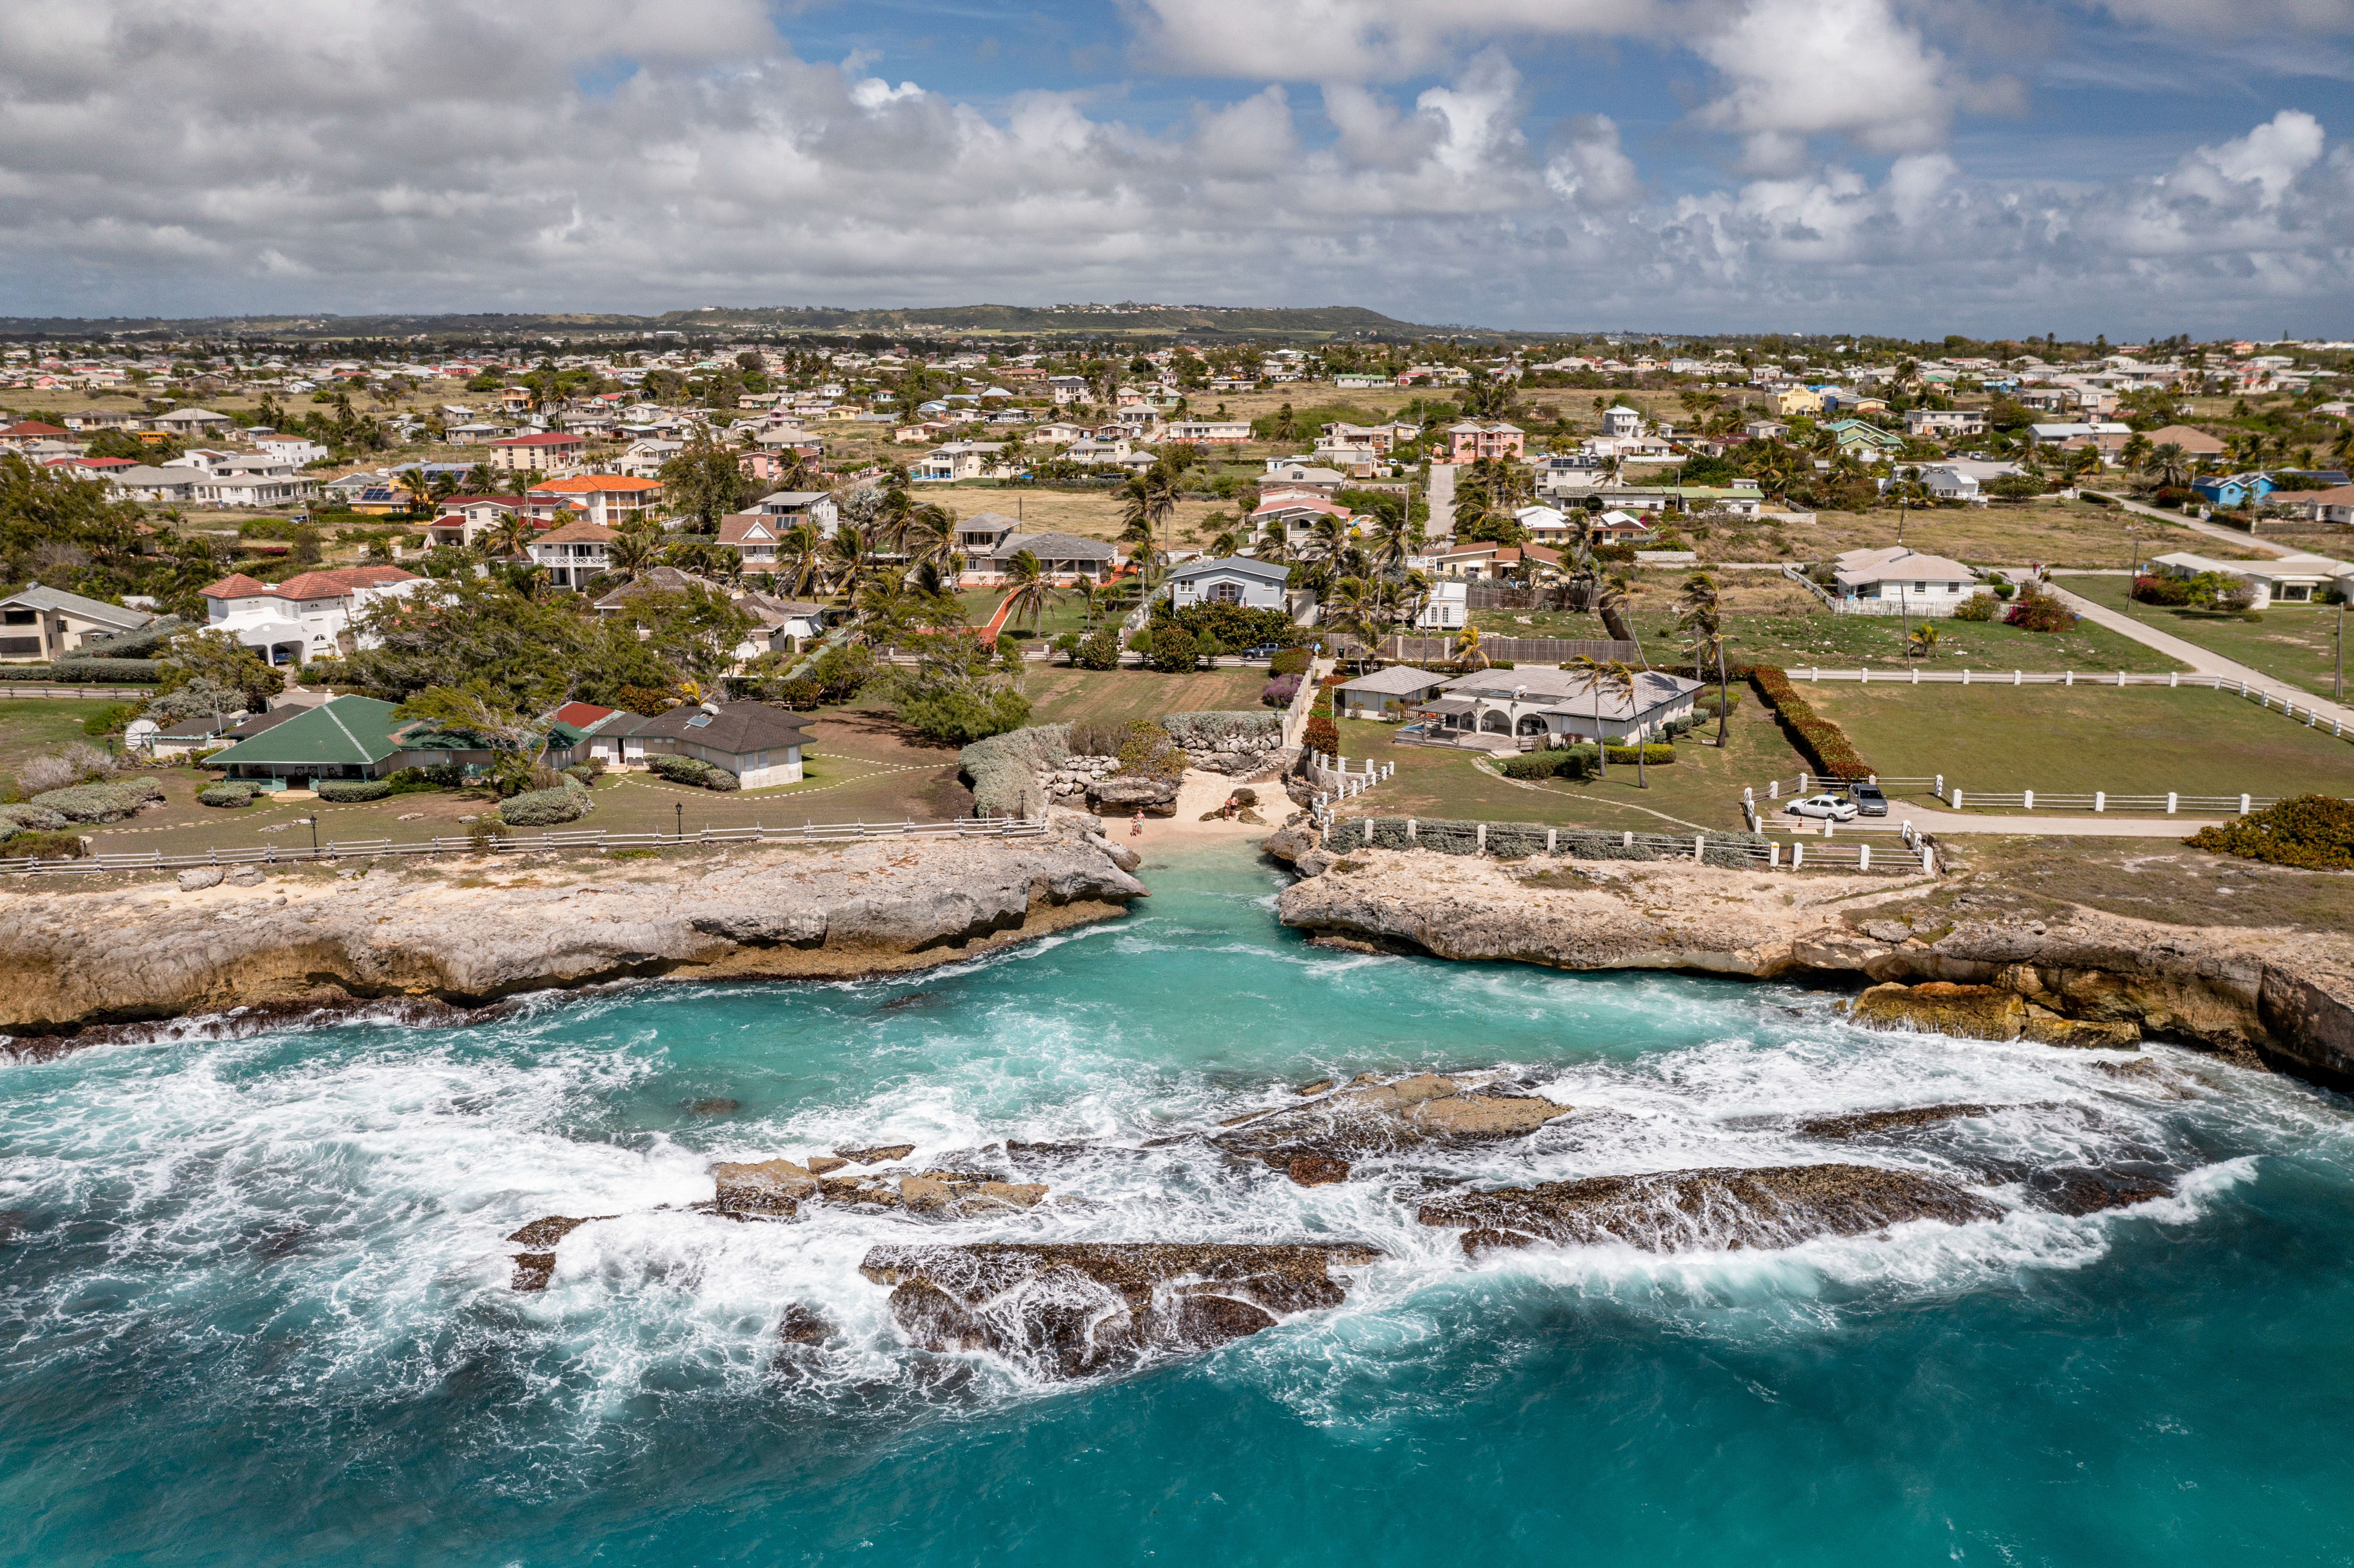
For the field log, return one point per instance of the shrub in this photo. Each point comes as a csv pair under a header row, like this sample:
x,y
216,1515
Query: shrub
x,y
2174,495
29,818
2162,591
419,780
842,670
962,714
1174,651
101,802
1092,737
1321,734
547,808
1278,692
2003,590
1148,751
39,845
232,793
1977,606
2037,611
691,770
110,720
100,672
1140,643
586,772
1290,662
1067,644
347,791
1002,771
1231,625
1823,744
1531,764
1098,649
2314,832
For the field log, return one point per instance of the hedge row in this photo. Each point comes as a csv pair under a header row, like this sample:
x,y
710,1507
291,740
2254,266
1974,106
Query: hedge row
x,y
101,672
1820,741
229,793
1515,840
1002,772
346,791
686,770
568,803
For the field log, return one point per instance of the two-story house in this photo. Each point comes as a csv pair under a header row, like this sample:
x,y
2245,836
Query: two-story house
x,y
960,459
546,452
610,500
305,616
574,553
39,624
1470,439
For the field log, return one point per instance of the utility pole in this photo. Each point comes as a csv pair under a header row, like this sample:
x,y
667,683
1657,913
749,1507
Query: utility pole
x,y
2338,691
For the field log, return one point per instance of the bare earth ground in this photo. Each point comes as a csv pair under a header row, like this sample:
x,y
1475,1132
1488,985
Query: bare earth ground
x,y
2158,878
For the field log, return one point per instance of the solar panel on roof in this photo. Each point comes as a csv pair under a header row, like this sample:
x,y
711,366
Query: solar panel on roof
x,y
698,721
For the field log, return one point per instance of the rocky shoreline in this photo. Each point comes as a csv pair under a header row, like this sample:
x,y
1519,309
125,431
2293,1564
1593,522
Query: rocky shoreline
x,y
2278,998
106,964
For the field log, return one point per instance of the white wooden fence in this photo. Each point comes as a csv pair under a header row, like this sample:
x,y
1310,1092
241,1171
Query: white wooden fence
x,y
1918,854
577,839
1336,782
84,694
2146,802
2288,704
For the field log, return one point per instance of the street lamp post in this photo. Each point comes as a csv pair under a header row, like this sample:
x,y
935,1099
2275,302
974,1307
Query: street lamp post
x,y
679,808
315,835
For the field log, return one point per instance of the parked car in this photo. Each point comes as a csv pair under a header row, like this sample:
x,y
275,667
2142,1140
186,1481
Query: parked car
x,y
1869,801
1834,807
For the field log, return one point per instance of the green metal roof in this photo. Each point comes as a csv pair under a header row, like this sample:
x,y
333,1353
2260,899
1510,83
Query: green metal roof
x,y
344,729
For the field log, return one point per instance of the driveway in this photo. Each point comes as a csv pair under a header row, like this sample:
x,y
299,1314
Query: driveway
x,y
2212,529
2205,660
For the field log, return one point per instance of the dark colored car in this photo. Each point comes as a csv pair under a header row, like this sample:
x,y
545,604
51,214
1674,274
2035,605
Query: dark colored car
x,y
1869,801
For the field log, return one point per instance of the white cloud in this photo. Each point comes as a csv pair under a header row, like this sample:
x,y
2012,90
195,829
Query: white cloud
x,y
1357,40
2236,17
430,155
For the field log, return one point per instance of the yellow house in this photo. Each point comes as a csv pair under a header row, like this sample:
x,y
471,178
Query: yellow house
x,y
1799,400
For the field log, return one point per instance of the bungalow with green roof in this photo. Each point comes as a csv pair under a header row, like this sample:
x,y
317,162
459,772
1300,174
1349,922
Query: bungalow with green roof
x,y
1863,437
349,737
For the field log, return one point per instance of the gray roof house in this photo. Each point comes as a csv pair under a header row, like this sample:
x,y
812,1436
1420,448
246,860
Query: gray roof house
x,y
38,624
1065,555
1500,708
1385,694
1230,579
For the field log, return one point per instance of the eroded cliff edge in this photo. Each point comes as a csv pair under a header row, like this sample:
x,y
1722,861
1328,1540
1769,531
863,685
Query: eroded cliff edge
x,y
74,956
2281,998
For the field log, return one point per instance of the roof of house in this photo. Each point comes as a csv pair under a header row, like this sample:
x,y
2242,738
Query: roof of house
x,y
792,498
655,580
1054,546
146,476
594,484
331,583
38,597
344,729
541,440
1573,690
32,428
1398,681
736,728
2195,442
583,716
1243,564
738,526
579,532
1899,561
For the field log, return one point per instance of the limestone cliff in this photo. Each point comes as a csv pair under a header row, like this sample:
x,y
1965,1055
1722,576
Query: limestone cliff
x,y
2284,998
157,951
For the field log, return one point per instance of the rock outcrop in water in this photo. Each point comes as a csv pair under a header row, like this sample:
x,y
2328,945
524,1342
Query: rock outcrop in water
x,y
1068,1309
1706,1211
151,951
1984,1012
2259,997
1316,1143
1861,1124
780,1189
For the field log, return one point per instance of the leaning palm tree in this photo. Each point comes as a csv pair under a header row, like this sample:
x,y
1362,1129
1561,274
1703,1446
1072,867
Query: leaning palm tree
x,y
1468,651
1612,596
1700,611
1596,674
1031,590
1621,682
513,536
850,560
633,553
801,558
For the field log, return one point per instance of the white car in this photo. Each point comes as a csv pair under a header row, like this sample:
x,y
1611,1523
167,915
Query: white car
x,y
1836,808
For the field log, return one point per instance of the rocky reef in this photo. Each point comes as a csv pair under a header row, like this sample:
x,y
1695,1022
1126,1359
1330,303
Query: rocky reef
x,y
1319,1142
157,950
2260,996
1712,1209
1067,1310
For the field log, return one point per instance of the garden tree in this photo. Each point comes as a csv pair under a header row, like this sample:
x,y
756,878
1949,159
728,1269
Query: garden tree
x,y
952,694
499,715
703,482
1174,651
635,551
2170,464
800,559
45,505
1468,651
198,696
2135,455
695,630
220,658
466,626
850,560
1923,642
512,536
931,537
2014,487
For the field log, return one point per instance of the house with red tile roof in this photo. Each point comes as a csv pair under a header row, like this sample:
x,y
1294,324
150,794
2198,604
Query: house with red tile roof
x,y
306,616
608,499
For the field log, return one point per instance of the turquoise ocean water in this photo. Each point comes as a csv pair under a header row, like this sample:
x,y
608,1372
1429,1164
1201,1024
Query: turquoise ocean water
x,y
253,1302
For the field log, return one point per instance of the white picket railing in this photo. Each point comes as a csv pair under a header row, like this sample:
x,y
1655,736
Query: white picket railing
x,y
577,839
2289,705
1919,853
1335,782
2098,801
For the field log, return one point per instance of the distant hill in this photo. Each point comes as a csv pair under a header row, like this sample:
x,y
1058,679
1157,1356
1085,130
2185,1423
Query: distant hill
x,y
1317,324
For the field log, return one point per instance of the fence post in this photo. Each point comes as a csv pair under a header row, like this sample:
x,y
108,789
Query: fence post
x,y
1965,674
2068,677
1941,786
1552,839
1629,841
1916,674
1958,800
1797,856
2015,679
2171,796
1872,780
2121,680
1483,838
1863,857
1804,780
2243,805
1773,856
1773,788
1700,849
2100,801
1409,829
2027,800
1928,859
2173,678
1828,826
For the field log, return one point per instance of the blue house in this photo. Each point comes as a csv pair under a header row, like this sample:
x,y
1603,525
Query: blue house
x,y
2233,491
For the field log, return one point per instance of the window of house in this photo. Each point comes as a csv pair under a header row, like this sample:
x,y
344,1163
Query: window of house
x,y
1225,593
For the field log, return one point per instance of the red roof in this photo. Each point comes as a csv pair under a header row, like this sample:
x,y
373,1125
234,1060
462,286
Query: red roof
x,y
544,441
334,583
30,428
580,715
590,484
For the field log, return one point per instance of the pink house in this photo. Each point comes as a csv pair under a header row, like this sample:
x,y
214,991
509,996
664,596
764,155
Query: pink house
x,y
1470,439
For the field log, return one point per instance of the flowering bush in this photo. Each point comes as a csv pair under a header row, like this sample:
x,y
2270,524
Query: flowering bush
x,y
2037,611
1279,692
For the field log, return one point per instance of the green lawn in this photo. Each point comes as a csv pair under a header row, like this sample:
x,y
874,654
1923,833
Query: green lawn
x,y
2140,740
1063,614
36,725
1058,694
2293,642
1853,641
1701,789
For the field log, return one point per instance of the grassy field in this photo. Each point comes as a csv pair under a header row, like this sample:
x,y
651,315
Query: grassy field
x,y
1701,788
1060,694
2292,642
37,724
1090,514
1062,615
2054,532
1769,625
2140,740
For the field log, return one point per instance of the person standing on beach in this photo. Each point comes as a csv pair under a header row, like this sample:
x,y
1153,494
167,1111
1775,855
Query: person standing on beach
x,y
1136,825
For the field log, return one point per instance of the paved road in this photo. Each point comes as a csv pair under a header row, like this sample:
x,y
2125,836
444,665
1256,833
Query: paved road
x,y
1442,501
2212,529
2204,660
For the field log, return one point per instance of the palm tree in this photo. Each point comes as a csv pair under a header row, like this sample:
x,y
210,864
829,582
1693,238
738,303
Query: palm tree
x,y
633,553
1468,651
1611,599
1027,578
801,558
2171,463
1700,611
850,560
1923,642
513,536
929,533
1596,674
1621,682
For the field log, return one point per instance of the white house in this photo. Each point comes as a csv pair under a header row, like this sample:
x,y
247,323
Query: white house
x,y
960,459
1943,424
1386,694
787,507
2288,579
1899,580
164,485
304,616
1561,707
292,451
1950,484
1443,610
573,554
1229,579
254,489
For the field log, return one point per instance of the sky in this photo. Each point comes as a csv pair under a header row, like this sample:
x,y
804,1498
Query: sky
x,y
1990,167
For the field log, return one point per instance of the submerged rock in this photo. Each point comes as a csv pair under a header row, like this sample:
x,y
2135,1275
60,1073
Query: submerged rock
x,y
533,1270
1067,1310
879,1154
546,1233
1707,1210
1855,1124
965,1192
799,1326
1982,1012
717,1106
2075,1189
1370,1118
764,1187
